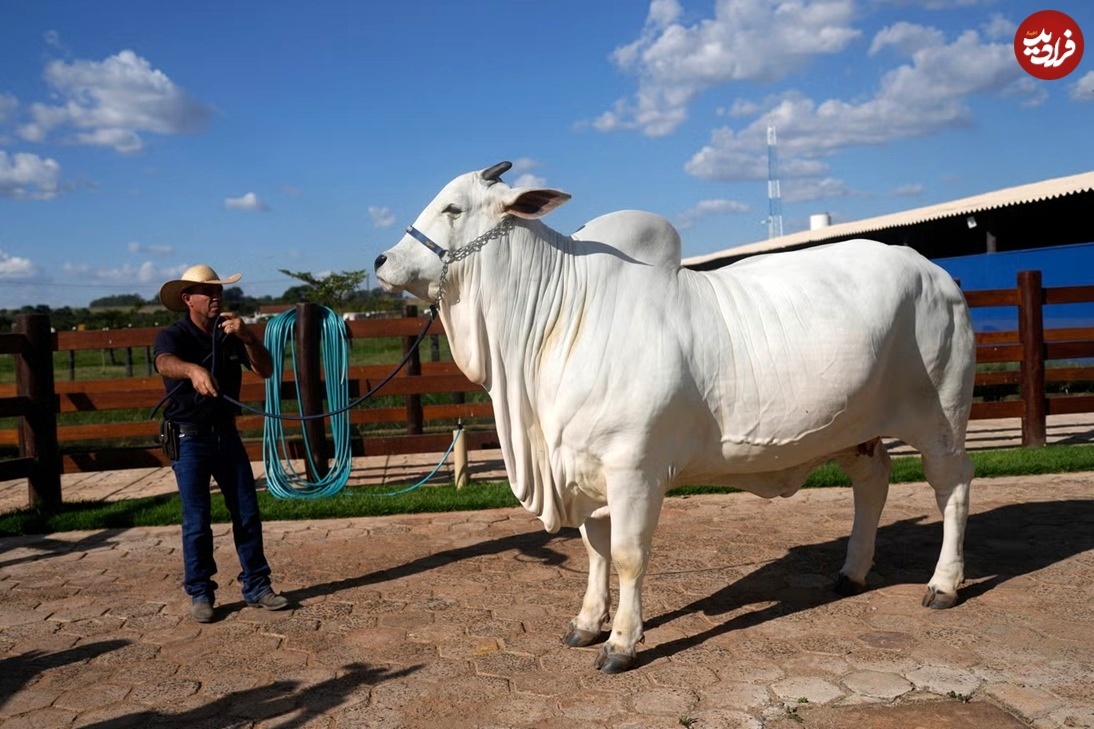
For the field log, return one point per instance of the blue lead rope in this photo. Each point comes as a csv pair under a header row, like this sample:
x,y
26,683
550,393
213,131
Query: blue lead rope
x,y
288,483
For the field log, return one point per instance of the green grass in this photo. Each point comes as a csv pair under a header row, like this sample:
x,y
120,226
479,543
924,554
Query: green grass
x,y
166,510
105,364
376,501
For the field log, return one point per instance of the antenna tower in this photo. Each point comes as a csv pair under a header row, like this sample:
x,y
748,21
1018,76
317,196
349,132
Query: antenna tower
x,y
774,196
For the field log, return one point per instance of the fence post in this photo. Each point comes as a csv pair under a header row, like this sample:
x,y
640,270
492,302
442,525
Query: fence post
x,y
309,372
1031,298
38,428
462,475
414,420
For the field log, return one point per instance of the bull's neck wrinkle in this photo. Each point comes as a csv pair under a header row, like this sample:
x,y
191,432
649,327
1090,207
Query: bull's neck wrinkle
x,y
507,297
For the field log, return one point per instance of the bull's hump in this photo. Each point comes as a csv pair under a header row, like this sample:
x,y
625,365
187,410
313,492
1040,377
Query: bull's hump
x,y
644,237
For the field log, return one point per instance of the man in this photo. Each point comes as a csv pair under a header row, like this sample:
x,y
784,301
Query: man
x,y
200,358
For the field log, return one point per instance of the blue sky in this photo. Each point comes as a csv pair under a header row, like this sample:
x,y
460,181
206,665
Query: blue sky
x,y
139,138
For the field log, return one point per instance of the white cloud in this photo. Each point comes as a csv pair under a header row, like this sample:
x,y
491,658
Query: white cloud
x,y
382,217
143,273
797,191
16,268
913,189
138,247
923,97
109,103
1029,91
1083,89
999,28
740,107
708,208
8,105
524,164
53,40
249,202
27,176
943,4
529,180
907,38
122,140
746,40
148,272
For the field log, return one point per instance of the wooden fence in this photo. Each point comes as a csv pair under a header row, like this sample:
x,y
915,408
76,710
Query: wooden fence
x,y
45,450
1030,347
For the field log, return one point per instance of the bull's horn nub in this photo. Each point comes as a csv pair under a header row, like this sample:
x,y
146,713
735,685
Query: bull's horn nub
x,y
493,174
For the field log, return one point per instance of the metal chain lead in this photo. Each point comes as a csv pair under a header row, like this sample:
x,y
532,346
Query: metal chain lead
x,y
458,254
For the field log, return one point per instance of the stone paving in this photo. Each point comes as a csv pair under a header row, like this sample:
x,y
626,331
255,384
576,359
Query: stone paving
x,y
455,620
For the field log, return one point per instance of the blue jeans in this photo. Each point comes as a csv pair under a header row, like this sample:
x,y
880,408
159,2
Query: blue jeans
x,y
222,457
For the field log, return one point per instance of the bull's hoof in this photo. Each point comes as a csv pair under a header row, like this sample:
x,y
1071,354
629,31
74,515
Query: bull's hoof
x,y
938,600
608,662
847,587
578,638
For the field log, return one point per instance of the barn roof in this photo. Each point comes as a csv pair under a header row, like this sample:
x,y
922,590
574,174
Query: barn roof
x,y
1046,213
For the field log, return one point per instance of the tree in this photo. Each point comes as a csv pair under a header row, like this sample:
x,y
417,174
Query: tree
x,y
335,290
233,297
118,301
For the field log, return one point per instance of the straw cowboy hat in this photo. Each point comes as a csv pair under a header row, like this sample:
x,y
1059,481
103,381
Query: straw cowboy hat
x,y
171,292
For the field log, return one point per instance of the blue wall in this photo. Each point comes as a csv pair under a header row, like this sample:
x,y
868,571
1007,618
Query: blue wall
x,y
1071,265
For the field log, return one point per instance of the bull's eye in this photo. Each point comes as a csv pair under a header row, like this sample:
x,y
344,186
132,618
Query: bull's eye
x,y
451,210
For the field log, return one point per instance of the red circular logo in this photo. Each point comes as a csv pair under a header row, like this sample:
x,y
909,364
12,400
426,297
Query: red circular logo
x,y
1048,45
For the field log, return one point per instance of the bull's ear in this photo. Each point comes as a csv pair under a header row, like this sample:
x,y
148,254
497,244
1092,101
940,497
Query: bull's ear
x,y
534,203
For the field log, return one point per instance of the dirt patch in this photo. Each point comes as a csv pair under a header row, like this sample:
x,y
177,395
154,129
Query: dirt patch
x,y
914,715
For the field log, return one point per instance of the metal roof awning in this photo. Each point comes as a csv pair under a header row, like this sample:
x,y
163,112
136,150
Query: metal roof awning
x,y
1047,213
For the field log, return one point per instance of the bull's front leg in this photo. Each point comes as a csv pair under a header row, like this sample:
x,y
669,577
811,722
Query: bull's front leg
x,y
635,507
585,629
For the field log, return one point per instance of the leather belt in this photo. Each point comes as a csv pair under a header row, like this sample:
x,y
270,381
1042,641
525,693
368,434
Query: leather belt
x,y
205,428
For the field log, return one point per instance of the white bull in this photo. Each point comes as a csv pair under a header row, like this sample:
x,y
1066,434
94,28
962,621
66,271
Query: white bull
x,y
616,374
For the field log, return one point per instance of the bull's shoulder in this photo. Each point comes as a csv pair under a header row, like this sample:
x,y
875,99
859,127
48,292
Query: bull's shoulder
x,y
642,236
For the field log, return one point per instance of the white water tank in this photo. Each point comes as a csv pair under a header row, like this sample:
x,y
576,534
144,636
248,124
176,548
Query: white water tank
x,y
819,220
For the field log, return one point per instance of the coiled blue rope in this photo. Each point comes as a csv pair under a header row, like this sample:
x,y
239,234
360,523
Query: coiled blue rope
x,y
334,354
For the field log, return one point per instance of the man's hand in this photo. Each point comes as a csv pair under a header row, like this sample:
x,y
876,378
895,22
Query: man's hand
x,y
171,366
232,323
261,362
203,381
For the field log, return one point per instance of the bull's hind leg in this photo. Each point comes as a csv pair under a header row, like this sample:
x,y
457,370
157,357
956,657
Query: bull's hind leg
x,y
949,475
585,628
868,467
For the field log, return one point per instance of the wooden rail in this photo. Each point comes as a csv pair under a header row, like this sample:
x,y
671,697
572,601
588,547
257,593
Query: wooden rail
x,y
130,443
45,449
1028,349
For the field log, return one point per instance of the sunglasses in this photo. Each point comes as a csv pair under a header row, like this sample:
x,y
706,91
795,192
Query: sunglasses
x,y
205,289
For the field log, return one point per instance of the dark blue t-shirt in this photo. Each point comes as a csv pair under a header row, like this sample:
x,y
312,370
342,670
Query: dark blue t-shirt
x,y
190,344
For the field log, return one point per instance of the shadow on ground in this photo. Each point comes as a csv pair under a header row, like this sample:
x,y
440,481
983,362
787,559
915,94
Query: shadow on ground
x,y
533,546
1000,544
294,704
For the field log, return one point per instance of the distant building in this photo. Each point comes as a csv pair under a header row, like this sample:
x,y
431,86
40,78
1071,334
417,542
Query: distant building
x,y
1049,213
